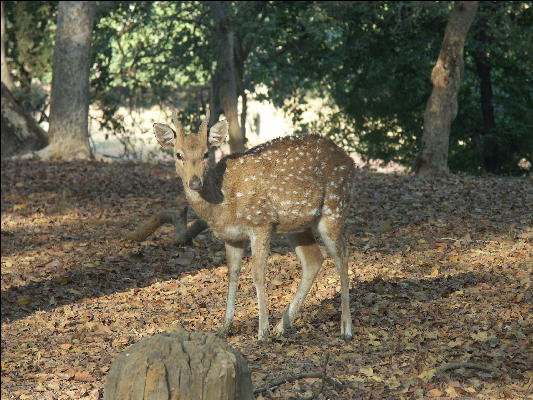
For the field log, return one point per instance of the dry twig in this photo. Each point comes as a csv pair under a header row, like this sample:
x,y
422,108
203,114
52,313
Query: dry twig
x,y
288,379
467,365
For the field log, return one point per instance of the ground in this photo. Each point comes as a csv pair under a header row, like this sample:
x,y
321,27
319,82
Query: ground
x,y
440,269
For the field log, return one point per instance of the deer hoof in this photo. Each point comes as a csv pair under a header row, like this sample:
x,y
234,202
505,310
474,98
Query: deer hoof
x,y
224,330
262,336
283,324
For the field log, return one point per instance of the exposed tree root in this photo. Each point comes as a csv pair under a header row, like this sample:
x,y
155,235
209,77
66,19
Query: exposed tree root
x,y
467,365
182,234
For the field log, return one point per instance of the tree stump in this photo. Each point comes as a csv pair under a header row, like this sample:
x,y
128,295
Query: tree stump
x,y
180,365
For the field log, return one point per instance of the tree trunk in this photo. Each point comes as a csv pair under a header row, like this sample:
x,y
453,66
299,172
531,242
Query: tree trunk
x,y
180,365
441,108
488,153
20,132
243,113
228,88
6,75
69,106
214,97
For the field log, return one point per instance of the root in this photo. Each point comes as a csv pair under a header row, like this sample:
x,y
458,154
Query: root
x,y
182,234
467,365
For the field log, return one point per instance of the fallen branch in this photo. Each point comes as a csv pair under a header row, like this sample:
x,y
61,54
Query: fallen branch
x,y
182,234
467,365
289,379
324,376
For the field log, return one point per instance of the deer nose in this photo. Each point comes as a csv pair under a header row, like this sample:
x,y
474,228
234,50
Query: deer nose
x,y
195,183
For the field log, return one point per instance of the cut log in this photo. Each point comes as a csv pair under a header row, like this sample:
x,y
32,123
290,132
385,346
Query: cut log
x,y
180,365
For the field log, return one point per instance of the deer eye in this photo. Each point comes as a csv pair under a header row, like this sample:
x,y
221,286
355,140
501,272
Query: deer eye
x,y
180,157
206,155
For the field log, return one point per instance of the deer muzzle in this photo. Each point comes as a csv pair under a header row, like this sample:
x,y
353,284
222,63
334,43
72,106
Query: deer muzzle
x,y
195,183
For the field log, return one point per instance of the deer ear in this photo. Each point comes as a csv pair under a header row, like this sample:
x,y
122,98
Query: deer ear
x,y
165,135
217,133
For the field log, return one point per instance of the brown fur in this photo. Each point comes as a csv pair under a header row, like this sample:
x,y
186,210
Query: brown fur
x,y
291,185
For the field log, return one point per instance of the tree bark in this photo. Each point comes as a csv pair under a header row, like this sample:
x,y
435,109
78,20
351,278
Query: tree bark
x,y
488,156
228,88
441,108
180,365
214,97
20,132
69,106
6,75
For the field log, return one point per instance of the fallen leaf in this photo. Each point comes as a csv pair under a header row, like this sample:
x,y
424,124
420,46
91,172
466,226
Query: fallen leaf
x,y
24,300
435,393
480,336
427,374
451,391
368,371
52,264
63,280
84,376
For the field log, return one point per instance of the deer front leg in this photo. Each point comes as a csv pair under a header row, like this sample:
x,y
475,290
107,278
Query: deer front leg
x,y
234,252
260,244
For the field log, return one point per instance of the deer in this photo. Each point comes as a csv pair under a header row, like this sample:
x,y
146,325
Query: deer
x,y
294,185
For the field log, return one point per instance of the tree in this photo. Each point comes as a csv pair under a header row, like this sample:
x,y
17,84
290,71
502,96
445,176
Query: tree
x,y
28,44
6,74
226,59
441,108
20,133
69,106
492,132
370,60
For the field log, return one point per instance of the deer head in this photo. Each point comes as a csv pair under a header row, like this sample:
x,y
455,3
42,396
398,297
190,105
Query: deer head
x,y
191,152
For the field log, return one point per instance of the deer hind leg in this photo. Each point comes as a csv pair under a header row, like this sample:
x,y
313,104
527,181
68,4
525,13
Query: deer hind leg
x,y
310,256
330,231
260,244
234,252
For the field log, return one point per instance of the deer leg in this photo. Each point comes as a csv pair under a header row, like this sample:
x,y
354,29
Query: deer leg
x,y
260,244
331,233
234,252
311,258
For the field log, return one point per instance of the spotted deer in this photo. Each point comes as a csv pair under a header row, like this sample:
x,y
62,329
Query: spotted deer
x,y
295,185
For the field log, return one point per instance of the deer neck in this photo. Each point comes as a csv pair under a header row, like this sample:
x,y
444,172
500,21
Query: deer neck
x,y
207,203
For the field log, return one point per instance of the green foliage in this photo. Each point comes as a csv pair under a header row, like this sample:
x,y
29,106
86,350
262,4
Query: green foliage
x,y
30,26
370,60
147,53
508,45
30,30
384,57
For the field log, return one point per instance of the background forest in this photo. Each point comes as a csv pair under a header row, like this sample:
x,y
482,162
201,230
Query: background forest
x,y
370,62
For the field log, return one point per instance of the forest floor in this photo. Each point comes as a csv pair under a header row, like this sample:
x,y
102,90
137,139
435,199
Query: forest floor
x,y
441,286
